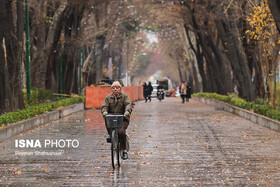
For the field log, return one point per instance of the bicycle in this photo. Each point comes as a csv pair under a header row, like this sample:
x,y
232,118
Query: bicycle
x,y
114,122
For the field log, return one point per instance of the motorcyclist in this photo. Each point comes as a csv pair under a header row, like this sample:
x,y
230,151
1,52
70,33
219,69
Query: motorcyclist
x,y
160,91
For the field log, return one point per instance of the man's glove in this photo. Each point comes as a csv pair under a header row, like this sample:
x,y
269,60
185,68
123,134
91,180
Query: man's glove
x,y
104,114
126,114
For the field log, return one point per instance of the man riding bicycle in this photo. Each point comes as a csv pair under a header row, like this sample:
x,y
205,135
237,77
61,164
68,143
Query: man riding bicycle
x,y
118,102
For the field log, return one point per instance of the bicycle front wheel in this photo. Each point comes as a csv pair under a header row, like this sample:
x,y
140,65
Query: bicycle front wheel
x,y
114,147
119,152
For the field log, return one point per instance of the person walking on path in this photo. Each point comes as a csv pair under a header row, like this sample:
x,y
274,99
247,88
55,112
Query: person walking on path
x,y
189,92
183,91
149,90
145,91
118,102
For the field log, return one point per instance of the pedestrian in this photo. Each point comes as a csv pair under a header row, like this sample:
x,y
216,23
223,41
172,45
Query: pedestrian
x,y
118,102
145,91
183,91
149,91
189,92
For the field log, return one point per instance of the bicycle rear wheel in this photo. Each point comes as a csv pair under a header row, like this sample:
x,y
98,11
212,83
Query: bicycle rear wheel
x,y
114,147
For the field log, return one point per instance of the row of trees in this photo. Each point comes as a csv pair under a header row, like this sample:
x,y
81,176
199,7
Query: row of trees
x,y
217,43
95,29
234,44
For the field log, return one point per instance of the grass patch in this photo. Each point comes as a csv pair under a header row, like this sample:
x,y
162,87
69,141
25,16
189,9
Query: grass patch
x,y
265,110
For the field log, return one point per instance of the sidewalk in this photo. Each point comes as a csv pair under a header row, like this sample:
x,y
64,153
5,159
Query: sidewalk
x,y
172,144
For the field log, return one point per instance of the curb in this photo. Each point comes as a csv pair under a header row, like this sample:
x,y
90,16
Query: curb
x,y
25,125
253,117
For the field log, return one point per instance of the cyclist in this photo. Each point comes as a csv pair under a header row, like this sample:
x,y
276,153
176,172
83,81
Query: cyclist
x,y
118,102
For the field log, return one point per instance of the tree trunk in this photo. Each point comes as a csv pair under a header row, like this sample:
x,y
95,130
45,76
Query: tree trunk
x,y
40,42
41,57
179,70
229,35
199,59
98,49
269,80
11,97
274,6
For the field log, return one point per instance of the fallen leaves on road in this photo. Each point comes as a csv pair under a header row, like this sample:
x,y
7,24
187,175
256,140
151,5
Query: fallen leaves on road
x,y
138,153
16,171
266,139
206,146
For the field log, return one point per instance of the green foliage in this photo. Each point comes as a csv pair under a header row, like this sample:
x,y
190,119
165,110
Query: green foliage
x,y
274,114
39,95
261,109
31,111
241,103
265,110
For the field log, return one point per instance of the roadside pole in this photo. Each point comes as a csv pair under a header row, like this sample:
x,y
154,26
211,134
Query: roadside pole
x,y
28,73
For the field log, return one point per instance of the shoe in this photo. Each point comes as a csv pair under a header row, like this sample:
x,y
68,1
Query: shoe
x,y
125,156
109,139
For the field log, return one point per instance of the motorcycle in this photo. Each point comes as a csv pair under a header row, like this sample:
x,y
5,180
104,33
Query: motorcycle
x,y
160,94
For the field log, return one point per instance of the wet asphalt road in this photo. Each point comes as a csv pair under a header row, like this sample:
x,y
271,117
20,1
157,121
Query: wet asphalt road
x,y
172,144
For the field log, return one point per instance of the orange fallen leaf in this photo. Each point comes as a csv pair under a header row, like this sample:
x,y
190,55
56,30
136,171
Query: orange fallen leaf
x,y
46,170
16,171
